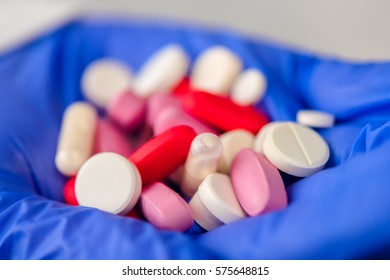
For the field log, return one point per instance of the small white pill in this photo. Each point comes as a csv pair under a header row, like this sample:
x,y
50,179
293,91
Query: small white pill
x,y
232,142
104,79
215,70
259,139
205,151
249,87
217,196
315,118
109,182
77,135
162,71
295,149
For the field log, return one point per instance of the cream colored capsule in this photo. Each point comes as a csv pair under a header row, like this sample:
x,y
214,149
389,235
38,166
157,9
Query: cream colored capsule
x,y
76,138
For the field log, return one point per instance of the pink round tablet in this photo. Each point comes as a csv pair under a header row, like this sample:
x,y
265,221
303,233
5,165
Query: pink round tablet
x,y
127,110
257,183
109,138
164,208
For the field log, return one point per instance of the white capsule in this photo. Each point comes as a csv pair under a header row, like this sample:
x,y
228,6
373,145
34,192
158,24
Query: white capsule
x,y
215,202
104,79
232,142
76,140
249,87
162,71
215,70
202,160
109,182
295,149
315,118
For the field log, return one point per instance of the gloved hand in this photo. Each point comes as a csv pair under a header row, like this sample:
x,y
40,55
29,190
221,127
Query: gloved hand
x,y
341,212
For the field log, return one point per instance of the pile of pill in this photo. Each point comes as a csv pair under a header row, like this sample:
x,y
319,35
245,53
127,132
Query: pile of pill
x,y
143,145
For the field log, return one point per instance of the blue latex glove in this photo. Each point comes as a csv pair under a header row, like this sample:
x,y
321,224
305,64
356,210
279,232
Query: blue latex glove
x,y
341,212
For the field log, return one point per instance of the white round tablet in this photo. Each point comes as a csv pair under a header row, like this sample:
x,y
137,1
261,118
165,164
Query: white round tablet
x,y
109,182
295,149
202,215
249,87
104,79
162,71
315,118
232,142
215,70
259,139
217,194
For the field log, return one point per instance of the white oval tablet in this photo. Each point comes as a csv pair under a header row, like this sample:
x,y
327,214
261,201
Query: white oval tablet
x,y
104,79
249,87
162,71
259,139
217,194
315,118
109,182
232,142
215,70
295,149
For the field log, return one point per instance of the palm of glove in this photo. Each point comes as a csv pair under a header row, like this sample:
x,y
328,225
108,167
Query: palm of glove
x,y
341,212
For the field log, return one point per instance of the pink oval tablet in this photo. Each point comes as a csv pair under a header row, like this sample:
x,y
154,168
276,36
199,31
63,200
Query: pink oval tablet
x,y
257,183
127,110
110,138
173,117
164,208
158,103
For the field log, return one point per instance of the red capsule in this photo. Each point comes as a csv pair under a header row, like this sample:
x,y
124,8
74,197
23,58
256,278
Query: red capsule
x,y
222,113
163,154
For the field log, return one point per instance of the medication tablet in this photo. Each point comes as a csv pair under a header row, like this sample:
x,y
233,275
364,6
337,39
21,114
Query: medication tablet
x,y
202,215
109,182
259,139
249,87
233,142
162,71
76,140
202,160
257,183
171,117
127,110
295,149
215,70
221,112
69,192
314,118
104,79
163,154
109,138
217,195
164,208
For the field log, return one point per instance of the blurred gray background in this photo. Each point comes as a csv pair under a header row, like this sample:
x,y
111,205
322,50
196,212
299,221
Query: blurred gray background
x,y
351,29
